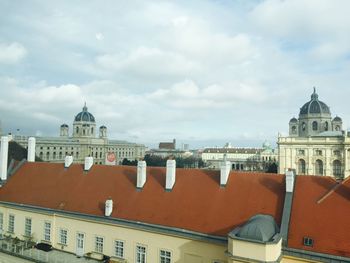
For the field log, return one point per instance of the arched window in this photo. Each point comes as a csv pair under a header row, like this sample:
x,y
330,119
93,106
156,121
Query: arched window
x,y
294,129
92,130
319,167
77,130
301,166
303,126
337,128
326,126
83,131
337,168
314,126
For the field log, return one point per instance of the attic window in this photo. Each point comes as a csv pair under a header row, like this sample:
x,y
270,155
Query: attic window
x,y
308,241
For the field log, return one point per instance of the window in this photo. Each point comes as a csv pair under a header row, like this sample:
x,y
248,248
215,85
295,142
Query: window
x,y
336,152
47,231
77,130
337,168
307,241
319,167
318,152
28,227
326,126
165,256
119,248
294,129
301,152
140,254
11,226
1,221
99,244
63,236
303,126
301,166
314,126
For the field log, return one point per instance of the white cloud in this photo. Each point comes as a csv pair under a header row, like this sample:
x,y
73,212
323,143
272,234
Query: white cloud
x,y
12,53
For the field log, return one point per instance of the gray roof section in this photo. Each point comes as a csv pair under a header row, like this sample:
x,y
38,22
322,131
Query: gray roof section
x,y
260,228
329,134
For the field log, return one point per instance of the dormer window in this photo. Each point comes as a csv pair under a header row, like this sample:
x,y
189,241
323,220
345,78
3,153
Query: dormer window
x,y
308,241
314,126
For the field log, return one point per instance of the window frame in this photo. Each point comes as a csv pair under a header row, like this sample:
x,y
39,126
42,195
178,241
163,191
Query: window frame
x,y
47,231
120,247
99,244
63,237
28,227
165,257
11,224
140,253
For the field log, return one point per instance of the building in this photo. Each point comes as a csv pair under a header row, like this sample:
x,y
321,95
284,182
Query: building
x,y
245,159
168,149
167,145
146,214
82,141
316,143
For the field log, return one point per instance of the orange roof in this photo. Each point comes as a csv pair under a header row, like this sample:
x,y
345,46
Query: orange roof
x,y
321,211
196,203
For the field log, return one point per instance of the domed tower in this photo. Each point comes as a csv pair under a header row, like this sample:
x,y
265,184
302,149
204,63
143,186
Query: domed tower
x,y
84,124
64,130
103,132
293,127
314,117
337,124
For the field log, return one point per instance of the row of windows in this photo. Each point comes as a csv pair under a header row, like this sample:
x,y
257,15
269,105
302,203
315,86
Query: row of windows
x,y
165,256
337,169
319,152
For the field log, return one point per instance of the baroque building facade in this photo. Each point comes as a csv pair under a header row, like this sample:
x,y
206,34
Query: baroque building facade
x,y
317,144
84,142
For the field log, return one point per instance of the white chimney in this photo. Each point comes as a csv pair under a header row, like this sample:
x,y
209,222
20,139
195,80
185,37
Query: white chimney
x,y
141,174
289,181
4,157
225,170
68,161
170,174
31,149
89,161
108,207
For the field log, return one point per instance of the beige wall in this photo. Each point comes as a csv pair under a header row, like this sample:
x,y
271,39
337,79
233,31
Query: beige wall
x,y
183,250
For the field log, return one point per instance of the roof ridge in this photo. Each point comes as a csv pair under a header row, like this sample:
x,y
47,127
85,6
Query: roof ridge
x,y
334,188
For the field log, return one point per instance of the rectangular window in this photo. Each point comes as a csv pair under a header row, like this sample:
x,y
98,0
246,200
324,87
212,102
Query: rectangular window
x,y
99,244
165,256
47,231
308,241
140,254
63,236
119,248
1,221
28,227
11,226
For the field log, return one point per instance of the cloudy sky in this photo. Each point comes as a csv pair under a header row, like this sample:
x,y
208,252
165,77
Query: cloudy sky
x,y
203,72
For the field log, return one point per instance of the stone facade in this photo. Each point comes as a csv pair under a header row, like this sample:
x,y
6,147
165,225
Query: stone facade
x,y
316,144
83,142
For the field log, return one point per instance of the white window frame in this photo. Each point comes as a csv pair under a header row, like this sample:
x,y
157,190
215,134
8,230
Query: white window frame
x,y
141,256
47,231
165,256
119,249
63,236
99,244
27,226
1,221
11,225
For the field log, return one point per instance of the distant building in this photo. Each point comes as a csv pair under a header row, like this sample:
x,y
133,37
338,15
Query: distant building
x,y
316,144
245,159
167,145
83,142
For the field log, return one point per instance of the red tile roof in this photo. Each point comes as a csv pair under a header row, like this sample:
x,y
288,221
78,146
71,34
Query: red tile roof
x,y
321,211
196,203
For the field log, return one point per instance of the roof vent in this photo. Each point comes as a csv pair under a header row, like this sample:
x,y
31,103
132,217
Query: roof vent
x,y
4,157
224,172
170,174
289,181
108,207
141,173
89,161
68,161
31,150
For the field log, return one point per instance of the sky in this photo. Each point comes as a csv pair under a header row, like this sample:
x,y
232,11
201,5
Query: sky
x,y
203,72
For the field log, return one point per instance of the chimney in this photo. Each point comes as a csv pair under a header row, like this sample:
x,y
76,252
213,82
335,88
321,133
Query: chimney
x,y
170,174
289,181
31,149
108,207
141,173
68,161
225,170
89,161
4,157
